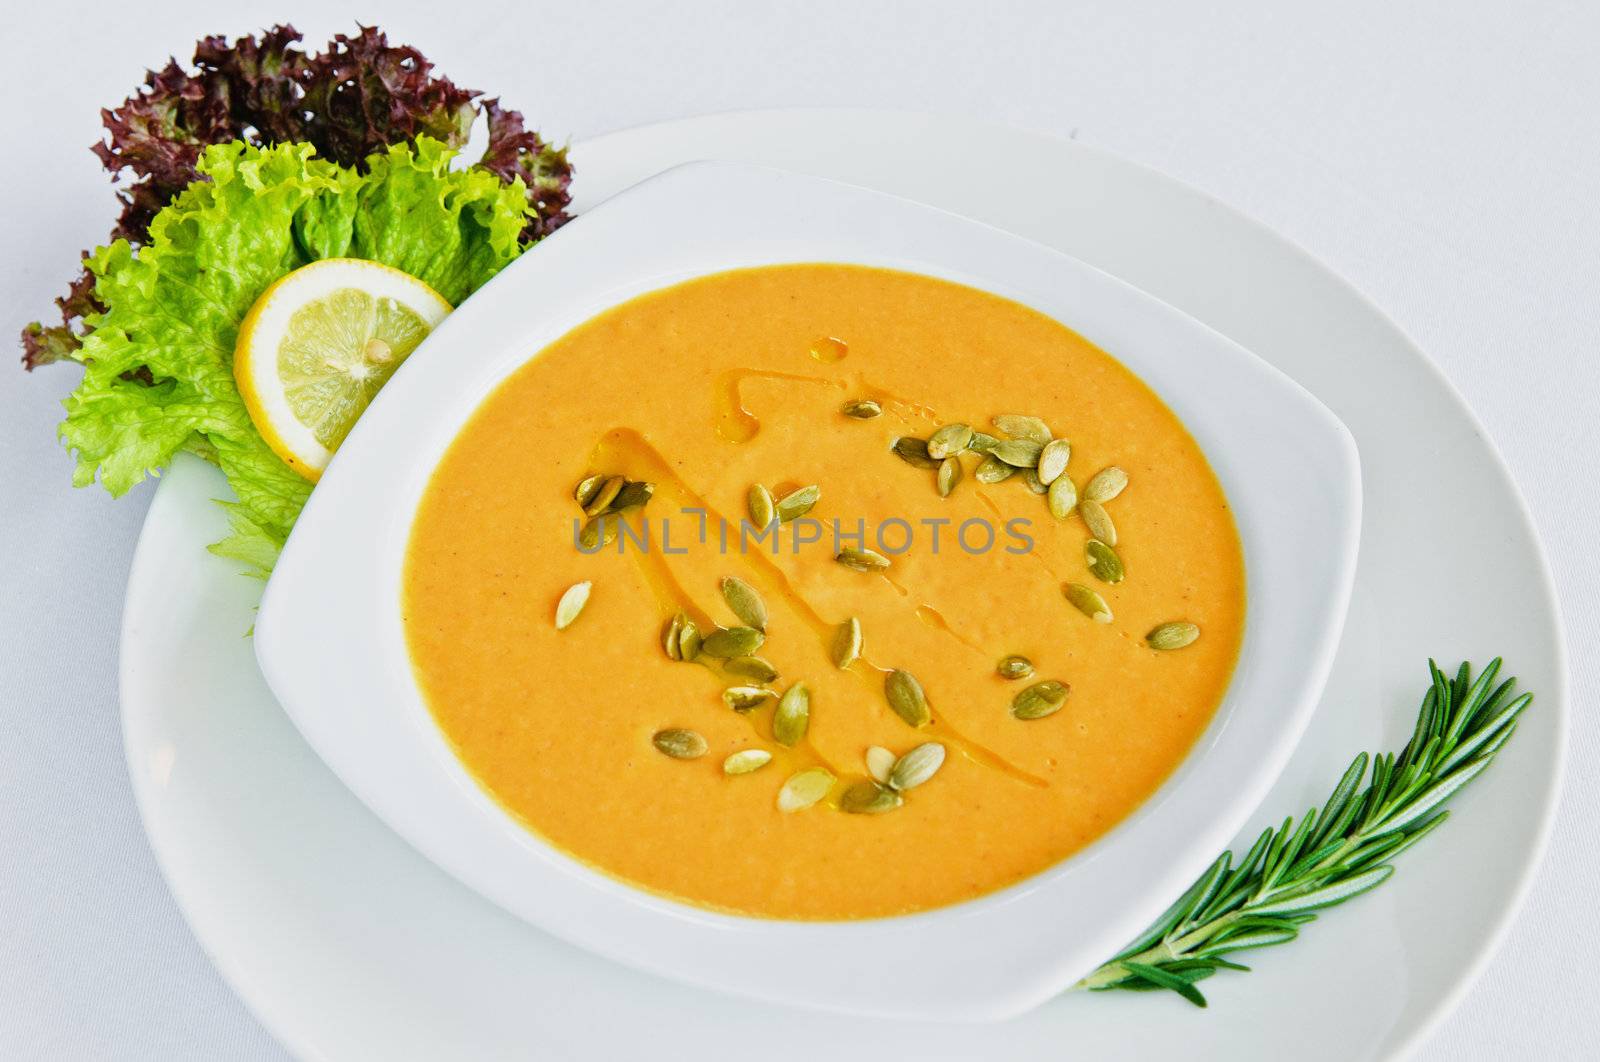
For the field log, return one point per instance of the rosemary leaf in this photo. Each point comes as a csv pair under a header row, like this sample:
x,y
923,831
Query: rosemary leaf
x,y
1329,856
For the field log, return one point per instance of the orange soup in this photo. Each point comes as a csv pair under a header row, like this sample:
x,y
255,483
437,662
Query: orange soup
x,y
958,481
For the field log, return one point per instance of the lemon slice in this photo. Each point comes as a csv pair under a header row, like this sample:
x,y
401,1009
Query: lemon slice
x,y
319,343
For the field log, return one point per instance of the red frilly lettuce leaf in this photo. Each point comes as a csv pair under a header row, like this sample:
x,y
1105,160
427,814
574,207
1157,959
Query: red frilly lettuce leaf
x,y
358,96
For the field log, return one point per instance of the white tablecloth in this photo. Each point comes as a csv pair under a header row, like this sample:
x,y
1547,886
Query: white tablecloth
x,y
1441,155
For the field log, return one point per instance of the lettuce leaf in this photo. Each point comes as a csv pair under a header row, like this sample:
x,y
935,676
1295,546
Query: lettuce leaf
x,y
357,96
158,354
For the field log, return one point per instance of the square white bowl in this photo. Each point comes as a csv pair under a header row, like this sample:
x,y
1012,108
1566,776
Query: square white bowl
x,y
330,642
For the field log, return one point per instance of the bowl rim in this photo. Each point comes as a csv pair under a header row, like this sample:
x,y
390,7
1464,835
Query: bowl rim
x,y
331,646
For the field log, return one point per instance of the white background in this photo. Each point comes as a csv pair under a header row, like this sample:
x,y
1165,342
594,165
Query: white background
x,y
1443,156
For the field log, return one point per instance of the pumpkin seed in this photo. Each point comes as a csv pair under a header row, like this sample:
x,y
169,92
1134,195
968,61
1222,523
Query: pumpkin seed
x,y
746,698
1014,667
862,560
993,470
1031,480
762,508
1023,427
982,442
728,642
847,643
913,451
633,495
905,696
869,798
571,604
861,408
1018,453
689,640
1053,460
1098,521
1040,699
916,766
880,761
755,668
1087,602
805,788
1104,564
1062,497
680,744
599,532
950,439
948,476
793,717
1105,484
669,636
746,760
795,504
587,488
745,602
604,496
1172,635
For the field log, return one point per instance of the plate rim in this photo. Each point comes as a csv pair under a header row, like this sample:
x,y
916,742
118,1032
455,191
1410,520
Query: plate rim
x,y
1555,701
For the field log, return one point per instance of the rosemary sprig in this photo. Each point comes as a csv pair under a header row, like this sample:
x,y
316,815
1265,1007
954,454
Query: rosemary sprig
x,y
1348,848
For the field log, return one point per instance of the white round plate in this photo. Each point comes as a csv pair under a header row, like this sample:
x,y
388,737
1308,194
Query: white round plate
x,y
348,944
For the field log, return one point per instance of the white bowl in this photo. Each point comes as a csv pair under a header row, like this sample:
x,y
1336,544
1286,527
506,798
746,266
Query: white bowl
x,y
330,642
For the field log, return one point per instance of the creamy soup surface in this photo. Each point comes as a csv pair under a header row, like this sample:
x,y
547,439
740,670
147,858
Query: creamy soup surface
x,y
711,386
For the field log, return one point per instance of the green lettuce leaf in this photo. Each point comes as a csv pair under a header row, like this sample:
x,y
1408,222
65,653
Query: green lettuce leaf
x,y
158,358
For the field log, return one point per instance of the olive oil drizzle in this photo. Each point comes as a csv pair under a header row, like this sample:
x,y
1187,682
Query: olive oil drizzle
x,y
623,447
